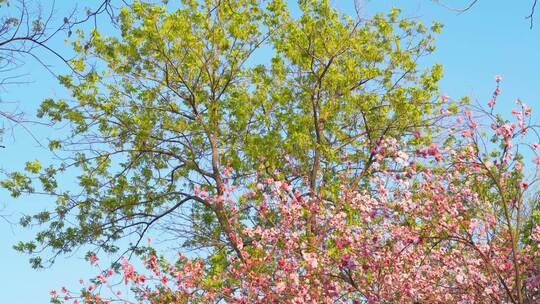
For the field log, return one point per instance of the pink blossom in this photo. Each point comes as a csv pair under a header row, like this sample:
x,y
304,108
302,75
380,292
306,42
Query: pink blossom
x,y
280,287
311,259
527,110
445,97
101,278
466,133
93,259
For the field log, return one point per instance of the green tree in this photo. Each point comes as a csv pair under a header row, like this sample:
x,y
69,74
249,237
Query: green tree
x,y
182,95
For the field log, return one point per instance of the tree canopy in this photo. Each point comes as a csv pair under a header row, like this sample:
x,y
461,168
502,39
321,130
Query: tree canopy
x,y
289,152
163,110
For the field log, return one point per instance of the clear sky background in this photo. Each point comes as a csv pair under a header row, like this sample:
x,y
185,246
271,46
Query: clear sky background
x,y
492,38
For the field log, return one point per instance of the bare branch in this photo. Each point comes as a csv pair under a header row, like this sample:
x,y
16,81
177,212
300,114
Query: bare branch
x,y
531,15
472,3
454,9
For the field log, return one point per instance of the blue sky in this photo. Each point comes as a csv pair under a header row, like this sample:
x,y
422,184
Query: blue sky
x,y
492,38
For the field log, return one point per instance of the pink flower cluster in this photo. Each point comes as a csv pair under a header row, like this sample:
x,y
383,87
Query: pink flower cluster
x,y
449,231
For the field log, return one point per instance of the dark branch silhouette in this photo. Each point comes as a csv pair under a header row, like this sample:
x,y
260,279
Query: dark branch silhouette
x,y
25,31
473,2
26,28
457,9
531,16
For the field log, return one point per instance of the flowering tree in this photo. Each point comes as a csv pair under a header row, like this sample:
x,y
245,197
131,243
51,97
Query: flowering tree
x,y
436,225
